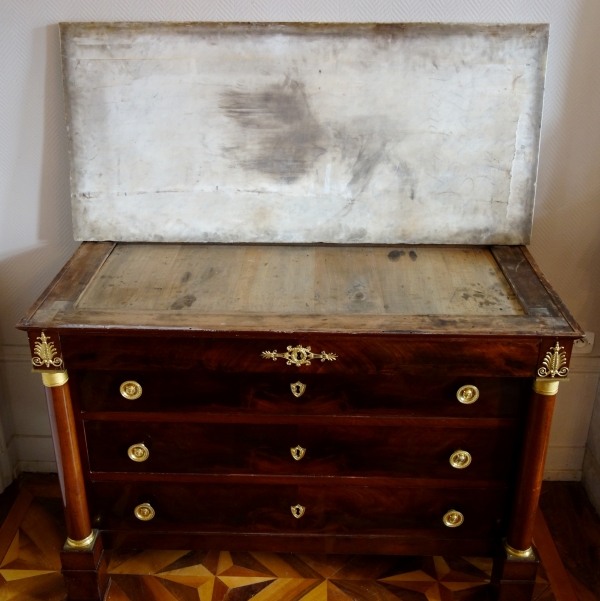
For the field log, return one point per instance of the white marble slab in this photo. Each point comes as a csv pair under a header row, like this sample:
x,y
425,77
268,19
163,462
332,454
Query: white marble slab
x,y
422,133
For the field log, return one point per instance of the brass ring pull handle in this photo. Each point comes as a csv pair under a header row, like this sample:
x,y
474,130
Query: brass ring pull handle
x,y
298,511
467,394
460,459
453,519
138,452
297,452
298,355
130,390
144,512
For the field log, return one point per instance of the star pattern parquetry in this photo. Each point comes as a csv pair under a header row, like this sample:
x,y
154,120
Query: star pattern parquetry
x,y
30,570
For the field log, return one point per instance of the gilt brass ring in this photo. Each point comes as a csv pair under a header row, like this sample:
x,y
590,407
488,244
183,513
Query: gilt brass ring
x,y
131,390
467,394
460,459
453,519
144,512
138,452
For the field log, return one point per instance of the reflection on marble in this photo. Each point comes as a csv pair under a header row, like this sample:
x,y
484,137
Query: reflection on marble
x,y
304,133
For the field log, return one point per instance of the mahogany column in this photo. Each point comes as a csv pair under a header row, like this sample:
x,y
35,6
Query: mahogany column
x,y
531,472
516,566
82,557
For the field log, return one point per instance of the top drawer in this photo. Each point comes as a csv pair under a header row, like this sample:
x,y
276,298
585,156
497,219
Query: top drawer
x,y
357,355
196,391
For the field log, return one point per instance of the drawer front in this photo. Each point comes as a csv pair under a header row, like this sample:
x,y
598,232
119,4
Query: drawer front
x,y
368,451
264,394
327,510
336,355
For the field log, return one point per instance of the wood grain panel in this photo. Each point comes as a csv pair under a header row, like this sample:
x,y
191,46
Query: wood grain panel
x,y
197,508
300,279
198,391
329,450
434,357
303,543
352,289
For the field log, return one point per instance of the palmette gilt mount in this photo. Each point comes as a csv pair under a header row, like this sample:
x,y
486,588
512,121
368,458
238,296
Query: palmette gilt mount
x,y
554,364
45,353
298,355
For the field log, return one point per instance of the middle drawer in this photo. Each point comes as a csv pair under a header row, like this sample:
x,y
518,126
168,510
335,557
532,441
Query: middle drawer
x,y
291,449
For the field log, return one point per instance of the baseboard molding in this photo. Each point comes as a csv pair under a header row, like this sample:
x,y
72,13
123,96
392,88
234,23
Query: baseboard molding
x,y
591,479
584,364
564,463
562,475
40,467
15,353
8,462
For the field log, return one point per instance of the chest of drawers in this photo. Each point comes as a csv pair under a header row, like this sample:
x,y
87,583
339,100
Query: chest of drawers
x,y
382,405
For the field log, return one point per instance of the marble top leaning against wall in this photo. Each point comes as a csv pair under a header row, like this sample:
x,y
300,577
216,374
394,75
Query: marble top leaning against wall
x,y
302,133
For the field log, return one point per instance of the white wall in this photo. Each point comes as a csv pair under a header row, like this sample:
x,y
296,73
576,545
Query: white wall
x,y
35,223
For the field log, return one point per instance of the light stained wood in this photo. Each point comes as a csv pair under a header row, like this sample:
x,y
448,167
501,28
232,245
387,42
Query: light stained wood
x,y
300,280
254,288
557,574
11,524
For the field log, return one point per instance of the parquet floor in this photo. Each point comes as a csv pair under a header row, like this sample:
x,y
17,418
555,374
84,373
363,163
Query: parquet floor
x,y
29,570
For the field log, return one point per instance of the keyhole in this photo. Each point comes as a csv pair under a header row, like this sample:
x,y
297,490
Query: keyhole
x,y
297,511
297,453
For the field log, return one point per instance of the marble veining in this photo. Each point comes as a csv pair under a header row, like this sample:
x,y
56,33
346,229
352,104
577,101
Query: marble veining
x,y
419,133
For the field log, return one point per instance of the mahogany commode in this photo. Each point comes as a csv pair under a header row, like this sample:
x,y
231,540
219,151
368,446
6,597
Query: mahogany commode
x,y
182,421
314,329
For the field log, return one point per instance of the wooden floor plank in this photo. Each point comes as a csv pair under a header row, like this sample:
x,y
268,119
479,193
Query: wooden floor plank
x,y
13,521
558,576
575,529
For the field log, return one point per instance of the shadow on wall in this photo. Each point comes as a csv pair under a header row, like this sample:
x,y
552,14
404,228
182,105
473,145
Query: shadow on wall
x,y
567,215
35,191
25,274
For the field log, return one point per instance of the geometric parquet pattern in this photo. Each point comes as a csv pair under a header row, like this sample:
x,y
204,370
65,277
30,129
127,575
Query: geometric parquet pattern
x,y
30,571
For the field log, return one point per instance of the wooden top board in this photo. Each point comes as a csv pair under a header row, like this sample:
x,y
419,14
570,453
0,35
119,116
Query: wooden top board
x,y
429,289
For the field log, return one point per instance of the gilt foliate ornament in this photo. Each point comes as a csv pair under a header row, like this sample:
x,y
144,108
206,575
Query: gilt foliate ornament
x,y
299,355
46,354
554,364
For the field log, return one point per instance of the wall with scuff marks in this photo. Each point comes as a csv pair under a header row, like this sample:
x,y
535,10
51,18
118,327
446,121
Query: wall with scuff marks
x,y
36,235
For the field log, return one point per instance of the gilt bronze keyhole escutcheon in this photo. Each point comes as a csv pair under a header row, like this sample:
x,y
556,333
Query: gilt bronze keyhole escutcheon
x,y
299,355
298,388
298,511
297,452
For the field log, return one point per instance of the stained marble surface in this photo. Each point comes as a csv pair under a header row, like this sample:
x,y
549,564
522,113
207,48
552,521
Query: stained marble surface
x,y
296,133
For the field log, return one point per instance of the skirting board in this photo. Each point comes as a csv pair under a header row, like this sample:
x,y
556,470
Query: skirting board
x,y
591,479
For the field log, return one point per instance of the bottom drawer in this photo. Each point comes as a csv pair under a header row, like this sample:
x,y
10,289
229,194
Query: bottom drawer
x,y
243,508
